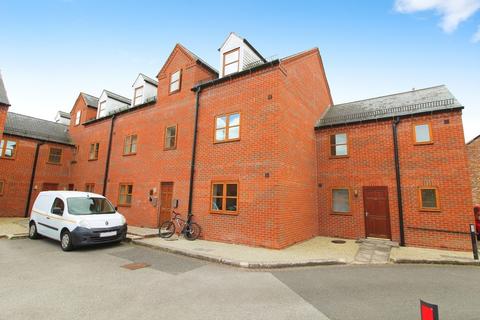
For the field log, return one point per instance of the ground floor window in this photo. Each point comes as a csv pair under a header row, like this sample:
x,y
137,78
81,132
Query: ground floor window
x,y
224,197
125,194
89,187
341,200
428,198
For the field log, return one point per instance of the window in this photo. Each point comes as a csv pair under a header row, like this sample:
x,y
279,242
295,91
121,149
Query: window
x,y
341,200
8,149
175,80
231,61
428,199
93,154
224,197
125,194
90,187
227,127
171,138
58,207
77,117
101,108
423,134
55,155
130,146
338,145
138,96
2,186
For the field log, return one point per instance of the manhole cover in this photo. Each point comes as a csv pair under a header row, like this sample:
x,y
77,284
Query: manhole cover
x,y
135,266
338,241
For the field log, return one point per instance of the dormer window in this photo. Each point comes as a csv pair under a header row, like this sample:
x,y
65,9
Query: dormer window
x,y
175,80
77,117
138,96
101,108
231,61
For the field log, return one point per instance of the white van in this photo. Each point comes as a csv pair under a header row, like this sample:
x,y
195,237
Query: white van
x,y
76,218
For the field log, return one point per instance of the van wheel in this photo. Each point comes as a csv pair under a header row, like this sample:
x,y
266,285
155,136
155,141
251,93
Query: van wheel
x,y
32,231
66,241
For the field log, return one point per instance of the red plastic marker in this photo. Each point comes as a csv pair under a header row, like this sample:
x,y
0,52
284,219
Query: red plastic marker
x,y
428,311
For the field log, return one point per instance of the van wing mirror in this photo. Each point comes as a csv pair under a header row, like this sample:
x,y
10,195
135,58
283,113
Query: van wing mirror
x,y
116,208
57,211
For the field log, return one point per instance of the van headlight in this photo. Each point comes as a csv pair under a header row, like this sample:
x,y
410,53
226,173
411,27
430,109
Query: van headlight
x,y
83,223
123,219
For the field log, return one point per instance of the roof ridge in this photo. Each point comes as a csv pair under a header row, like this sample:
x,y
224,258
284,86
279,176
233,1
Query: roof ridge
x,y
31,117
389,95
196,57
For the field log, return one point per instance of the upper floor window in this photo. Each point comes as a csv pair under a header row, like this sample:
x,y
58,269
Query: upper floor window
x,y
338,145
8,149
423,134
429,199
55,155
78,117
101,108
125,194
227,127
224,197
171,137
93,154
231,61
175,81
138,96
341,200
130,145
2,186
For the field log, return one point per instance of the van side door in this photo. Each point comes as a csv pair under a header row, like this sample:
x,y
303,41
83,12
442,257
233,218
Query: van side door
x,y
54,221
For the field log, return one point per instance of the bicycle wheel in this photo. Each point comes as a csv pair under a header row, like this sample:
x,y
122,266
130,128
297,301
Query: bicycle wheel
x,y
192,232
167,229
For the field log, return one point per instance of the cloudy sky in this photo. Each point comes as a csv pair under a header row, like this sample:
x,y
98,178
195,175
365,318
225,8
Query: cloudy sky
x,y
51,50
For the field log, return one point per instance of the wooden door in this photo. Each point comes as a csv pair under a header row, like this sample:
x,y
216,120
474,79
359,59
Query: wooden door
x,y
166,193
377,212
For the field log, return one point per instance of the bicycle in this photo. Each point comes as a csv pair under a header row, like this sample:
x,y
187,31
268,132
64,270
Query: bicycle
x,y
190,230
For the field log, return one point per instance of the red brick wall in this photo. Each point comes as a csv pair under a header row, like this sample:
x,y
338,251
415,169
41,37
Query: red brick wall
x,y
3,118
442,164
473,149
17,174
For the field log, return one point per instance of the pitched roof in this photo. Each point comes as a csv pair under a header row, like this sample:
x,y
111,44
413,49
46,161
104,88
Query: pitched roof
x,y
149,80
63,114
399,104
3,93
198,59
29,127
90,100
117,97
246,42
473,140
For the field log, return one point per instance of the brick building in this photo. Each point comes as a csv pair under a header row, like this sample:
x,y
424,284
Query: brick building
x,y
473,149
258,153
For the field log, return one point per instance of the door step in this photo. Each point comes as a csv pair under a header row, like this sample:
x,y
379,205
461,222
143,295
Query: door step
x,y
382,241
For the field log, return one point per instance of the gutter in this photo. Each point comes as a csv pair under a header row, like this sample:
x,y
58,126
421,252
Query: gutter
x,y
32,178
197,90
107,162
395,123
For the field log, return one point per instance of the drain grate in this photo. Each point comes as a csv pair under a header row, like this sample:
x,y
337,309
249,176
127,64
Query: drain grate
x,y
136,265
339,241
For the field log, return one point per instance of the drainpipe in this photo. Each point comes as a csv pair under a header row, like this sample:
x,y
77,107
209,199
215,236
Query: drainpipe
x,y
194,148
107,162
32,178
395,123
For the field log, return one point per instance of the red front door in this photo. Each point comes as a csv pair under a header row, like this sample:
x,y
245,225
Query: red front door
x,y
377,212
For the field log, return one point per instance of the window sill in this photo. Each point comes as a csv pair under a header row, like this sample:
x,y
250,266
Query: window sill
x,y
125,205
93,159
423,143
339,157
173,92
226,141
7,158
168,149
226,213
54,163
129,154
346,214
429,210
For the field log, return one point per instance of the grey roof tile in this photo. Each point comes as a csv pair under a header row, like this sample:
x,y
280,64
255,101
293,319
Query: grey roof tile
x,y
149,80
90,100
29,127
117,97
3,93
399,104
64,114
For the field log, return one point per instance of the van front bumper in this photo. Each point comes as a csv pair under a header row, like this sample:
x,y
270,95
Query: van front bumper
x,y
84,236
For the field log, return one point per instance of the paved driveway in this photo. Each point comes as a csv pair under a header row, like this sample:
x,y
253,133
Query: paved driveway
x,y
39,281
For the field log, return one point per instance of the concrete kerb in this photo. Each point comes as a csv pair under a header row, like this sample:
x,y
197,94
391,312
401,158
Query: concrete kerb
x,y
246,264
438,262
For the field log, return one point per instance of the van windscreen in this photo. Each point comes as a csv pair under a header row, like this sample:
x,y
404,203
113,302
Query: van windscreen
x,y
89,205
